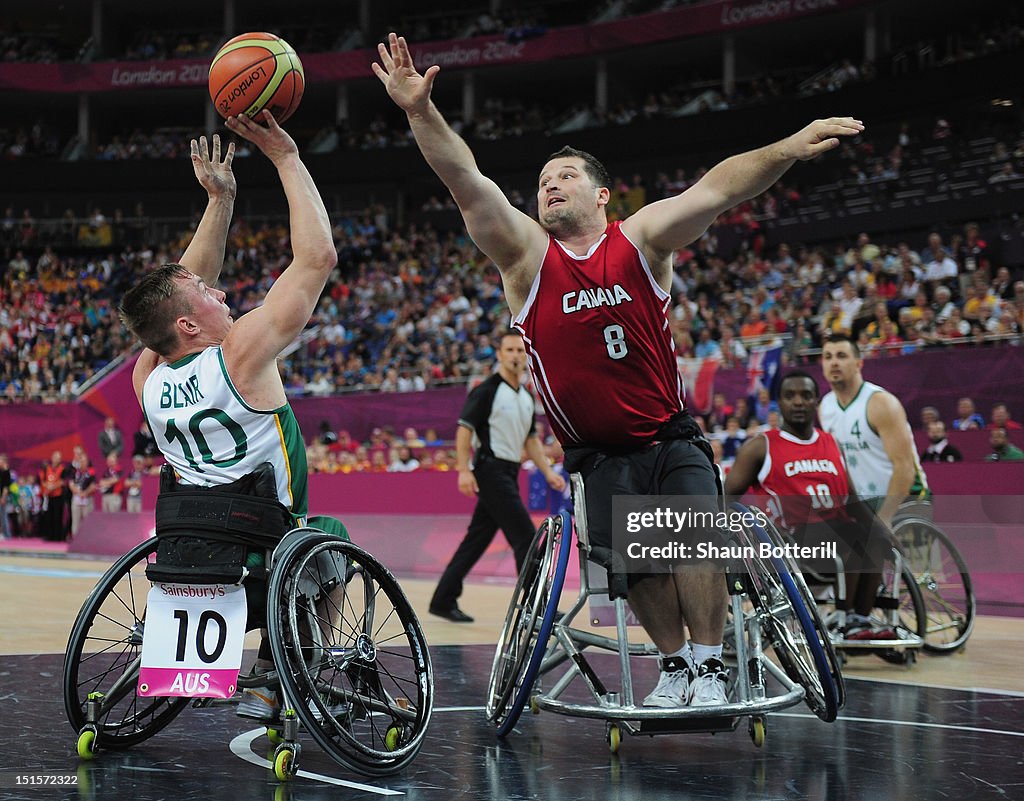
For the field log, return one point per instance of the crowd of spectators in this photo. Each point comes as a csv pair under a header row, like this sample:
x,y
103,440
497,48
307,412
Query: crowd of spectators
x,y
386,451
1000,426
414,307
158,45
39,140
383,451
30,47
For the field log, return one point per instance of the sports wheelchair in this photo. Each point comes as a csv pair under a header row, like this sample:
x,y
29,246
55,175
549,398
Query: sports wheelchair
x,y
770,607
899,609
942,579
352,665
926,595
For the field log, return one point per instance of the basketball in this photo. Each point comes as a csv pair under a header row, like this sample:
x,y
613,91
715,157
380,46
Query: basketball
x,y
256,71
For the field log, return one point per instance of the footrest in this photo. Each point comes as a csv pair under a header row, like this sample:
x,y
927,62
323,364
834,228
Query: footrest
x,y
684,725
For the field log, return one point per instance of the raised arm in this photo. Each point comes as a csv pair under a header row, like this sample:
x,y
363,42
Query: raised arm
x,y
205,254
667,225
252,345
506,235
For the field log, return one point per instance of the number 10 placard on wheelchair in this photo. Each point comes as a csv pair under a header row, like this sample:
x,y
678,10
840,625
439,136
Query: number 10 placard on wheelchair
x,y
192,644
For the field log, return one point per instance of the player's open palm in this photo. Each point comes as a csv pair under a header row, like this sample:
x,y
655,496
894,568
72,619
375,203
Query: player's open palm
x,y
409,89
821,136
213,172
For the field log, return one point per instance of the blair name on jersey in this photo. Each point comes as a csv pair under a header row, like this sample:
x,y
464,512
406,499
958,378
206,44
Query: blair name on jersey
x,y
811,466
594,297
180,395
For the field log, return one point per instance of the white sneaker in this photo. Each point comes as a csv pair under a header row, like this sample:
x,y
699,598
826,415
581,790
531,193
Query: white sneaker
x,y
673,686
711,686
259,704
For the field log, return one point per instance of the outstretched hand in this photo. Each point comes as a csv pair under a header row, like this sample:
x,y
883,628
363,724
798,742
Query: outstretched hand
x,y
214,174
820,137
270,138
409,89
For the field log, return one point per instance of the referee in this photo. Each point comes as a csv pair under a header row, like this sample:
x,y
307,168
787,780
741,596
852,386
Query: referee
x,y
498,421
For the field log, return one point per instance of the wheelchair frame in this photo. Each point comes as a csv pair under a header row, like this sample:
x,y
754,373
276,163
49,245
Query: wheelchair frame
x,y
898,599
383,716
808,670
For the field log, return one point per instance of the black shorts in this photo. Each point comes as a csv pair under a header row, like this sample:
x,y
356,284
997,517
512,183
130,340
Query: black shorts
x,y
673,467
862,550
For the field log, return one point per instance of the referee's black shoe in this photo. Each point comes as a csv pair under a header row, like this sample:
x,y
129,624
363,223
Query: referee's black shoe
x,y
455,615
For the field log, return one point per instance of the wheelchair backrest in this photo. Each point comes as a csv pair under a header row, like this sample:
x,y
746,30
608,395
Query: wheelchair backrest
x,y
208,534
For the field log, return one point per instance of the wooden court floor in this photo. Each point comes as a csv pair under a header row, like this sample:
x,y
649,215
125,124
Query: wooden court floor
x,y
903,733
40,598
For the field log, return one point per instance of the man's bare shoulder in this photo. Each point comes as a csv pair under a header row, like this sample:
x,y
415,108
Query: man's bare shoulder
x,y
884,408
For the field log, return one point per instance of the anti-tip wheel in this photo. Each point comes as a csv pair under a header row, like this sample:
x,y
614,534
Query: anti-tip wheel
x,y
614,738
284,764
392,738
757,731
86,746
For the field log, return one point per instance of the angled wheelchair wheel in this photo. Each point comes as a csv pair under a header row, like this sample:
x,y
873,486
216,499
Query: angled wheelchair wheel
x,y
945,584
351,654
101,664
528,622
791,624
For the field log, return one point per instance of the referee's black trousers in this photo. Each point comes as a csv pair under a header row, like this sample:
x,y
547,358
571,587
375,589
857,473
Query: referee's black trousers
x,y
498,505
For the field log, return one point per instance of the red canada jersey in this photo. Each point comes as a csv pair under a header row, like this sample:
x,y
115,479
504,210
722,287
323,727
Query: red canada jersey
x,y
805,480
599,345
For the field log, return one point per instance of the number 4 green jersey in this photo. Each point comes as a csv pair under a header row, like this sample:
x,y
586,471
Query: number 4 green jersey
x,y
211,436
867,462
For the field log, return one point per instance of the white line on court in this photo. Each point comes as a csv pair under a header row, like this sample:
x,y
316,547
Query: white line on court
x,y
241,747
49,572
911,723
901,682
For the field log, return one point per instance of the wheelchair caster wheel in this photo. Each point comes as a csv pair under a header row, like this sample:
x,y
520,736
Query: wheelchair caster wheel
x,y
285,764
86,745
533,706
393,738
757,728
614,738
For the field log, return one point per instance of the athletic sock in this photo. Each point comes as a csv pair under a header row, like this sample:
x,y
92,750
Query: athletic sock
x,y
702,653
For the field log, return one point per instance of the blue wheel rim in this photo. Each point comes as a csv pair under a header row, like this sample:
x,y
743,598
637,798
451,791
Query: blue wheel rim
x,y
540,647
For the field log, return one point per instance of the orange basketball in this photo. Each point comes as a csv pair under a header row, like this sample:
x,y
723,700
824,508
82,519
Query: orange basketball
x,y
256,71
